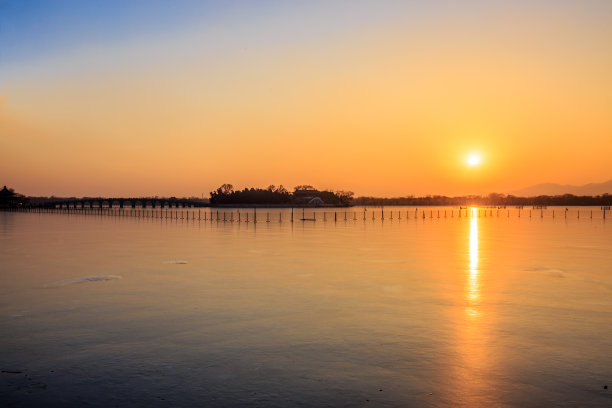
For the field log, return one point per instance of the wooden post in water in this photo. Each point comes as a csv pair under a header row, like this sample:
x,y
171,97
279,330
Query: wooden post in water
x,y
247,220
591,214
345,216
255,215
280,216
335,216
291,214
267,216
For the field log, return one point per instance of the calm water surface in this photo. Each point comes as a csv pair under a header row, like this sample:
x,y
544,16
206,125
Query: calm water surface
x,y
495,311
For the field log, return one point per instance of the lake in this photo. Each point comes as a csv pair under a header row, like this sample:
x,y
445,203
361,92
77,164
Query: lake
x,y
425,309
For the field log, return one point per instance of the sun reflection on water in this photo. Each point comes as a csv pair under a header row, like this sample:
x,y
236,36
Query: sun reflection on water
x,y
474,385
473,284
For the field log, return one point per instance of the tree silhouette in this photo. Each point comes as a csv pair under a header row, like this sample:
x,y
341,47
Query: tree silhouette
x,y
304,187
227,188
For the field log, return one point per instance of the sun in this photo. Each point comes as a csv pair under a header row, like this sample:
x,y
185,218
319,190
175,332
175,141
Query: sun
x,y
473,160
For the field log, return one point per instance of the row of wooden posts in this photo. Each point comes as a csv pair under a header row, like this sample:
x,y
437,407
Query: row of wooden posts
x,y
246,216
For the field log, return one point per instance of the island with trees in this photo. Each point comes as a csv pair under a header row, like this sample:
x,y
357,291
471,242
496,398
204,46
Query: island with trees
x,y
302,196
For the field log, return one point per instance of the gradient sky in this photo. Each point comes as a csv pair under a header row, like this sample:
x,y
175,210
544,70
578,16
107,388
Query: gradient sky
x,y
383,98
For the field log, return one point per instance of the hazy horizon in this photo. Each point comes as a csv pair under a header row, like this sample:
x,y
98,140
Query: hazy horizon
x,y
290,189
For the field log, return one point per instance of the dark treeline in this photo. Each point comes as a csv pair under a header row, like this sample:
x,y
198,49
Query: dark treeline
x,y
304,195
226,195
493,199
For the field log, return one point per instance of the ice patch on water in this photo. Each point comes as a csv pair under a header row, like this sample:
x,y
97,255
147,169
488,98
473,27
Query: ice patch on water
x,y
86,279
179,262
554,272
606,285
558,273
18,313
96,279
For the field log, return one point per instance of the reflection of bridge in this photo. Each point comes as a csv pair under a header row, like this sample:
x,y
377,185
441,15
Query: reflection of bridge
x,y
119,202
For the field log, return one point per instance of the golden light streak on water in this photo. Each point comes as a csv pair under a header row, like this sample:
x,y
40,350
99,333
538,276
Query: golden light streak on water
x,y
473,283
472,340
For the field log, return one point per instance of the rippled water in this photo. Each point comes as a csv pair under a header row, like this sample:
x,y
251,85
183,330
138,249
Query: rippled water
x,y
490,309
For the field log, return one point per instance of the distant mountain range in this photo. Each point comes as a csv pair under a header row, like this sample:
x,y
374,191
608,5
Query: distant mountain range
x,y
591,189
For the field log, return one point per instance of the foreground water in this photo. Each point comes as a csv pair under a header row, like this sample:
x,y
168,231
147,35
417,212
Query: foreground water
x,y
495,311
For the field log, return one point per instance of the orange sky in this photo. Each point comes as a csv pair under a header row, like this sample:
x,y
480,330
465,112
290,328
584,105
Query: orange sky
x,y
342,97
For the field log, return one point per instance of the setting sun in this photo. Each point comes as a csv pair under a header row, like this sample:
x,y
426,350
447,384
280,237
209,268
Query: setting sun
x,y
473,160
